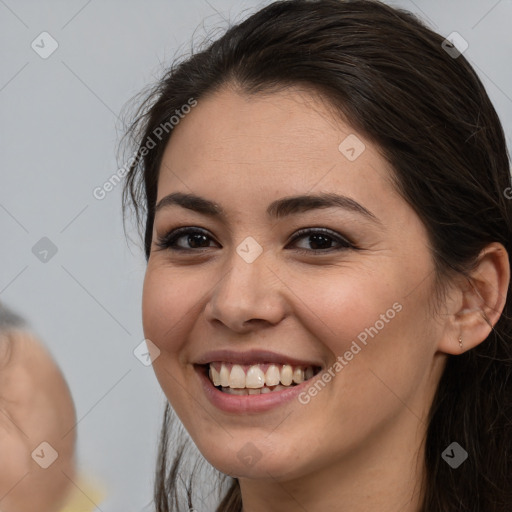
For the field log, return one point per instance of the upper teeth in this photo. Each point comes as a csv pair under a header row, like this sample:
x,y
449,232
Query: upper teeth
x,y
234,376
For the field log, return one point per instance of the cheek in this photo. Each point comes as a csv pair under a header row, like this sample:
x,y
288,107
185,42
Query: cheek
x,y
376,326
168,302
339,306
167,314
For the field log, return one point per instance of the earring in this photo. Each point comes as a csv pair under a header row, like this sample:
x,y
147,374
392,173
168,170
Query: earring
x,y
460,342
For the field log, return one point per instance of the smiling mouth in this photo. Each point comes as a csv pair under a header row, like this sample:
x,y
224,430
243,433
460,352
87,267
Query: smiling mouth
x,y
256,379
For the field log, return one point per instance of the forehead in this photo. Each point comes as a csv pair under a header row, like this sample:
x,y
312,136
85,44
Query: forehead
x,y
238,147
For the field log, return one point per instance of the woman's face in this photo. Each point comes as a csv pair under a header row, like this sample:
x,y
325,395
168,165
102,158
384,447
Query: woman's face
x,y
350,295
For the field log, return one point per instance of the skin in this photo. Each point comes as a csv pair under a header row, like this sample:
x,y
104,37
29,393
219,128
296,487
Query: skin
x,y
35,406
357,445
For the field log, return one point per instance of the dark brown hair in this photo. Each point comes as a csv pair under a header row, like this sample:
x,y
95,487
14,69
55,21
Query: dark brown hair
x,y
393,80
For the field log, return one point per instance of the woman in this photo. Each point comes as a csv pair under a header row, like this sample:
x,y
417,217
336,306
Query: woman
x,y
322,193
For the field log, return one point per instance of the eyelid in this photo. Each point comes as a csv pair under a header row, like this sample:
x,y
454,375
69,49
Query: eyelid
x,y
331,233
163,242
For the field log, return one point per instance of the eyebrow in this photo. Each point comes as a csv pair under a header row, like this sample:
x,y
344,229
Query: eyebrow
x,y
277,209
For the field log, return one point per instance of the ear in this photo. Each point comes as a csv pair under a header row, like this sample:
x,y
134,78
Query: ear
x,y
475,303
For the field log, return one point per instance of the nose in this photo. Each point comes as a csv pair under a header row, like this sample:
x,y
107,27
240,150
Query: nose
x,y
248,296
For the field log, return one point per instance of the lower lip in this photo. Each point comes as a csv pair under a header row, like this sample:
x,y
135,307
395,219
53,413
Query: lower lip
x,y
249,403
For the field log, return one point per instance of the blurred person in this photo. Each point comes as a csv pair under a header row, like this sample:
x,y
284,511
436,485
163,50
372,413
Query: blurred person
x,y
38,435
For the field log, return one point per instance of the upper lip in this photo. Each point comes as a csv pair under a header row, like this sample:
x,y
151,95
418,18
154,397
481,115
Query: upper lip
x,y
253,357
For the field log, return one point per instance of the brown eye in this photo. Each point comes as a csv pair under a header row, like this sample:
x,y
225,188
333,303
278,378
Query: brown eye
x,y
192,239
189,239
322,240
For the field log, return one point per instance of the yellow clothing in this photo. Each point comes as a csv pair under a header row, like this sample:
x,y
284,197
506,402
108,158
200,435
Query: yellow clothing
x,y
85,496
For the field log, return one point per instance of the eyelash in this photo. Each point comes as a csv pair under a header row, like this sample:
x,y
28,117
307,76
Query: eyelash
x,y
169,240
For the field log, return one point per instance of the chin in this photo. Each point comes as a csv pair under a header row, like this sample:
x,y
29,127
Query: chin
x,y
244,460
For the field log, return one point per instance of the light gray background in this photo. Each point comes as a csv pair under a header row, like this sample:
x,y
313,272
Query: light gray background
x,y
59,133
